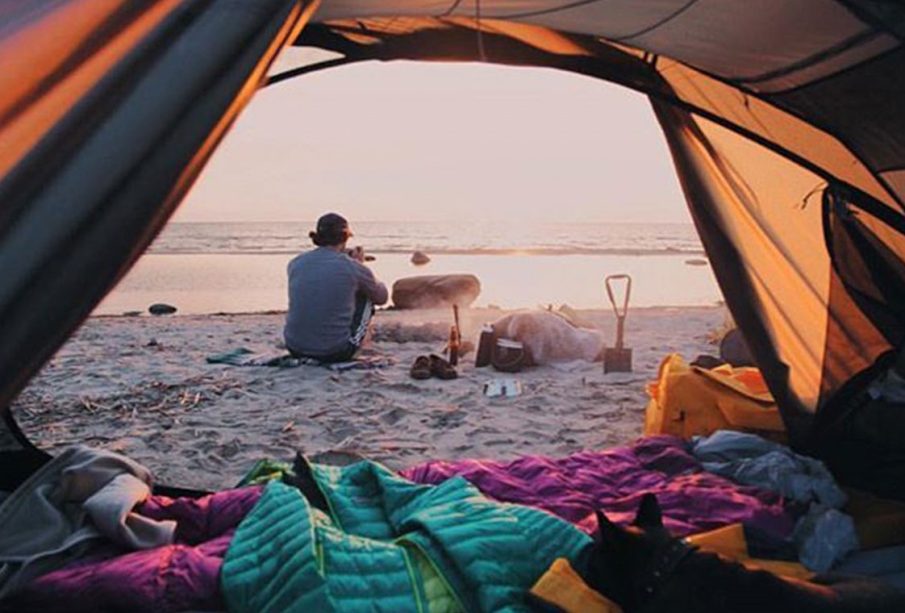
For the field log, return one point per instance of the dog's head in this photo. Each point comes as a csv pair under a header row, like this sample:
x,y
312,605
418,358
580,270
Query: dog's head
x,y
620,557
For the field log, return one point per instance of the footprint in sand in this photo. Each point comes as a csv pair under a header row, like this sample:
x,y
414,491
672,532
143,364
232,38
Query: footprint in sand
x,y
599,395
341,433
500,441
393,416
536,435
562,437
373,377
445,418
230,449
534,408
578,430
482,430
216,459
370,396
408,388
210,440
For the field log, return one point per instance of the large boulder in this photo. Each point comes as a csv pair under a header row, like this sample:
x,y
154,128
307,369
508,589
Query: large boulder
x,y
431,291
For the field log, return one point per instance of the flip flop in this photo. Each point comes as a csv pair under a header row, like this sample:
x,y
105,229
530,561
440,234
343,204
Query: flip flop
x,y
442,369
421,368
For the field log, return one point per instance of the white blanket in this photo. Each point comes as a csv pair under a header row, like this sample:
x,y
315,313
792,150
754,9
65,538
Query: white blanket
x,y
550,338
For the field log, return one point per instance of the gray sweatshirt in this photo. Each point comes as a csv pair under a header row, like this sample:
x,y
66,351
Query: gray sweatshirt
x,y
323,287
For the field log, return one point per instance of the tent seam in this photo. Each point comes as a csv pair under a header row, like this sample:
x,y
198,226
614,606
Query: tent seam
x,y
558,9
828,53
452,8
658,24
841,71
303,70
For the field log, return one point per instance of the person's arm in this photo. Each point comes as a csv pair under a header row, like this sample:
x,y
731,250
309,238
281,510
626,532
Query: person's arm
x,y
370,286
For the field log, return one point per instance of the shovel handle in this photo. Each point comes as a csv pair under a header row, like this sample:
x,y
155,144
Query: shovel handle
x,y
612,296
620,315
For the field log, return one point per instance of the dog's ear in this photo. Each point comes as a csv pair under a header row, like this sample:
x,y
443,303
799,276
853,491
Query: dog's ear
x,y
607,531
649,515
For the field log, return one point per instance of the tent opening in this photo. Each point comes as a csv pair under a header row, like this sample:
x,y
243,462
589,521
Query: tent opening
x,y
79,135
784,136
506,173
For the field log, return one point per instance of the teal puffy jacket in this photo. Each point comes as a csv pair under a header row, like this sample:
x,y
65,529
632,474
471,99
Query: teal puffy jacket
x,y
390,545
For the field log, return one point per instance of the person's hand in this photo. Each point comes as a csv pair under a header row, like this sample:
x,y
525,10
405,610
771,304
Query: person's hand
x,y
358,253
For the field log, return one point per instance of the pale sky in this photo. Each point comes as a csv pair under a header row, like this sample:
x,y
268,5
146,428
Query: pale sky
x,y
425,141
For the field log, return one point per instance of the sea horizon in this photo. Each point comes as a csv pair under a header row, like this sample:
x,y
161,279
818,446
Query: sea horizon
x,y
236,267
447,237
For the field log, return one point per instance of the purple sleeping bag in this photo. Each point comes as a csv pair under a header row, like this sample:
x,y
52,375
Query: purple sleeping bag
x,y
185,575
572,487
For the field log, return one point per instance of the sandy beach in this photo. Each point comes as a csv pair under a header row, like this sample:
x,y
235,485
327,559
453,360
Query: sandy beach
x,y
141,386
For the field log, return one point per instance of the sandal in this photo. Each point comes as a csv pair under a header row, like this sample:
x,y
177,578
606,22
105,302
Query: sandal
x,y
442,369
421,368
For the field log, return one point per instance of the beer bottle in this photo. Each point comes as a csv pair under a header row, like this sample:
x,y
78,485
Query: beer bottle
x,y
453,345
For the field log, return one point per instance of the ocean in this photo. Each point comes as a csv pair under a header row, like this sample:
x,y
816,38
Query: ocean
x,y
241,267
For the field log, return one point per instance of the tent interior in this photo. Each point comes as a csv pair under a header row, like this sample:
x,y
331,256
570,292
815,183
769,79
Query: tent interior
x,y
783,119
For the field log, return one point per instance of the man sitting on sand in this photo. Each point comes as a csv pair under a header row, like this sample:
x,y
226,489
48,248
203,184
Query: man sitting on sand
x,y
331,296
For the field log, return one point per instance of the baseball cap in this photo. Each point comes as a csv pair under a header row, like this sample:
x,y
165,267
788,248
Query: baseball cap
x,y
333,226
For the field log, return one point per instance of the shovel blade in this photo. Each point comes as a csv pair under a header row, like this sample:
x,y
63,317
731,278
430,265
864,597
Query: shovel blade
x,y
617,360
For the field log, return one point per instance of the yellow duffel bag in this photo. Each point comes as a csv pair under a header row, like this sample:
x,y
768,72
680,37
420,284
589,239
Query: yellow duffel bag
x,y
689,400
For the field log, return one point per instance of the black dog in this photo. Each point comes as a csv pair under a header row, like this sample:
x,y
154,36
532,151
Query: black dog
x,y
644,568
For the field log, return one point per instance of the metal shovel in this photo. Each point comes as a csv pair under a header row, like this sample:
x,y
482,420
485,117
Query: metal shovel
x,y
618,358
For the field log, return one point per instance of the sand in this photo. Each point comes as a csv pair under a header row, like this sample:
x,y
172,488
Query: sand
x,y
141,386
